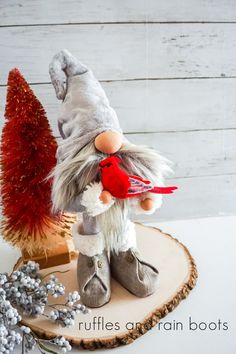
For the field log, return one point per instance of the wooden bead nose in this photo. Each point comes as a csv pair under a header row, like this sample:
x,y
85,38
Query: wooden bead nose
x,y
108,142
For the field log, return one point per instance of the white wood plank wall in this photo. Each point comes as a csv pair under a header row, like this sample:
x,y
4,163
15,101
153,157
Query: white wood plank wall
x,y
169,69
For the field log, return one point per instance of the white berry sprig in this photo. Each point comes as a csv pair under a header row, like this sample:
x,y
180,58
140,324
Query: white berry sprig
x,y
26,291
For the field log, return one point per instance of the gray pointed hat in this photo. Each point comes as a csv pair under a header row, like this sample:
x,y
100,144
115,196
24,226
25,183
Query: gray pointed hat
x,y
85,113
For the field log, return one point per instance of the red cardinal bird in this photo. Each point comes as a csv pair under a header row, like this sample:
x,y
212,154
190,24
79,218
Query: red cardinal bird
x,y
121,185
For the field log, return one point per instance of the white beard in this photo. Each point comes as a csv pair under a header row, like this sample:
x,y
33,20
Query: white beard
x,y
71,176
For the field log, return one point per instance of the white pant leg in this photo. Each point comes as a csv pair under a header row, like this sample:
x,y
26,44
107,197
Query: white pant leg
x,y
128,239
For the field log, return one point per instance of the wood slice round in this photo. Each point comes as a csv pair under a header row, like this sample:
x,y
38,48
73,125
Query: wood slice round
x,y
126,317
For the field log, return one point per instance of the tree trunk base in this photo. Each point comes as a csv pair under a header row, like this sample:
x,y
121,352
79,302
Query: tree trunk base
x,y
126,317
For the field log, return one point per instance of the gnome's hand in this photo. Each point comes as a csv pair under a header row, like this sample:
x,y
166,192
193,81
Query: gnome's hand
x,y
105,197
92,202
147,204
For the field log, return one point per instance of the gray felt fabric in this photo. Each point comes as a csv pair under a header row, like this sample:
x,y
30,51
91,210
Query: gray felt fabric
x,y
90,225
62,66
85,113
134,274
94,280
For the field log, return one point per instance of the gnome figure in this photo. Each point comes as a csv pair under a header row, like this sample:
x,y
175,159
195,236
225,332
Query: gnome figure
x,y
100,174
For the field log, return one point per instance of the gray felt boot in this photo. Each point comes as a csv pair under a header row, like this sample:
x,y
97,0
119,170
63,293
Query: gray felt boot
x,y
137,276
94,280
93,270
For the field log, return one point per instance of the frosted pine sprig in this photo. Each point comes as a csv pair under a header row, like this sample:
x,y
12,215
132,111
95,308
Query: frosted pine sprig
x,y
26,291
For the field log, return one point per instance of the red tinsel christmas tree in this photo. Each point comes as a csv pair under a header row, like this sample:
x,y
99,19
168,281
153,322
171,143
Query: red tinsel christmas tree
x,y
28,151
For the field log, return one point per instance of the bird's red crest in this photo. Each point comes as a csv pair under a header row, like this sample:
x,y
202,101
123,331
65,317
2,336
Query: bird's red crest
x,y
111,160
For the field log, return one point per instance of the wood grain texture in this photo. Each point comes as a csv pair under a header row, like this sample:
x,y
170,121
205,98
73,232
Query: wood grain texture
x,y
177,278
197,197
194,153
201,152
198,153
187,108
127,51
158,105
82,11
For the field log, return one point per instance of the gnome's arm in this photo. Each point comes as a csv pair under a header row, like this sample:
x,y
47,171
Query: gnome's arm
x,y
146,203
90,201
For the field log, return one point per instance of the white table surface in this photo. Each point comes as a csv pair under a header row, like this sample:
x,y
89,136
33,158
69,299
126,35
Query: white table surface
x,y
212,242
